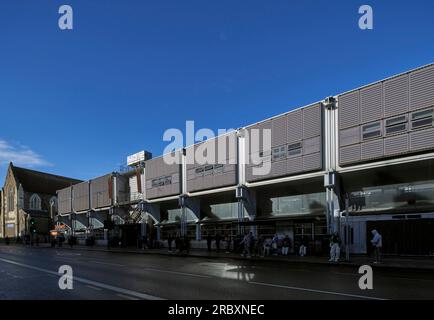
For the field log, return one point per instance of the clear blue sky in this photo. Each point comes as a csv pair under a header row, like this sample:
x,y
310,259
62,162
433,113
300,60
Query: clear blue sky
x,y
76,103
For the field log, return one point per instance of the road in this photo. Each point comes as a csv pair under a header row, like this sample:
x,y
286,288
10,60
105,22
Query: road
x,y
32,273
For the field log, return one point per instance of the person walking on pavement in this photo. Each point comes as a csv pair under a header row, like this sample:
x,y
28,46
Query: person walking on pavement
x,y
285,245
169,242
335,249
377,242
247,243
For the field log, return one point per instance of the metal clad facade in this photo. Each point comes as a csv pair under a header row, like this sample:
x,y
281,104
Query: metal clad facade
x,y
422,88
102,191
390,118
162,179
64,201
296,145
219,170
81,197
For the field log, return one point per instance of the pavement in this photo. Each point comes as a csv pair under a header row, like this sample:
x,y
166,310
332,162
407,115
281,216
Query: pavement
x,y
32,273
421,264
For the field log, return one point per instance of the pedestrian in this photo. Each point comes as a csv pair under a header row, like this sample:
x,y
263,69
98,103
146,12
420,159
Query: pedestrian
x,y
209,241
335,249
303,249
247,242
377,242
7,240
286,242
267,246
218,238
274,243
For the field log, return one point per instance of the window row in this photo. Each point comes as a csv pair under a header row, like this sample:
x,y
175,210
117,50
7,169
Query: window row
x,y
161,181
281,152
208,170
400,124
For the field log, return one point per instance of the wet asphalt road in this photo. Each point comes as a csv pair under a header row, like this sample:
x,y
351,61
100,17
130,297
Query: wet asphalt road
x,y
32,273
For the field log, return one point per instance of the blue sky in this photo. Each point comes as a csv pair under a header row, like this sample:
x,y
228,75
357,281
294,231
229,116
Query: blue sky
x,y
76,103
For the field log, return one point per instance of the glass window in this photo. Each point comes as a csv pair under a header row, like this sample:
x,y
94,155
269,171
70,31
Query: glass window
x,y
199,171
396,125
35,202
218,168
422,118
279,153
294,149
372,130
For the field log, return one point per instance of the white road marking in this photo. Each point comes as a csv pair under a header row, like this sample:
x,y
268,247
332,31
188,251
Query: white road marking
x,y
316,291
126,297
179,273
108,263
137,294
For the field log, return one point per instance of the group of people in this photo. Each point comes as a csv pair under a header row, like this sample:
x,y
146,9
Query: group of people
x,y
335,246
181,243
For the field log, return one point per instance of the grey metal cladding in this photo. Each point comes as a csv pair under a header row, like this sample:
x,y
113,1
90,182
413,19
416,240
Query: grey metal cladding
x,y
371,103
312,162
372,149
64,201
422,88
279,131
350,154
101,191
158,168
349,136
349,110
422,140
81,196
295,126
294,165
396,96
396,145
312,121
312,145
279,168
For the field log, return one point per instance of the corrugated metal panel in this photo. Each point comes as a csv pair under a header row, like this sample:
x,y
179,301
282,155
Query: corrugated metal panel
x,y
422,88
312,123
349,111
312,145
295,126
279,133
422,139
81,196
64,201
278,168
372,149
294,165
371,103
349,136
396,145
349,154
101,191
396,96
312,162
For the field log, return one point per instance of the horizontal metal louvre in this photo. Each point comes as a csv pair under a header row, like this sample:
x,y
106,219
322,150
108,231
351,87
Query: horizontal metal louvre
x,y
349,111
422,88
396,145
279,168
372,149
349,136
280,129
422,139
349,154
312,123
371,103
295,165
295,126
312,145
396,96
312,162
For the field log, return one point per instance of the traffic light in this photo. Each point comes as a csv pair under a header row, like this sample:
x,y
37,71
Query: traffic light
x,y
32,225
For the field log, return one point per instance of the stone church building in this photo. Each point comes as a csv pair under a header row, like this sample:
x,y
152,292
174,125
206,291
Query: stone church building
x,y
26,196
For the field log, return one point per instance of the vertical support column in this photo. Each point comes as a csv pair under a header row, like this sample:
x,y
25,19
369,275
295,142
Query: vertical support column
x,y
198,232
